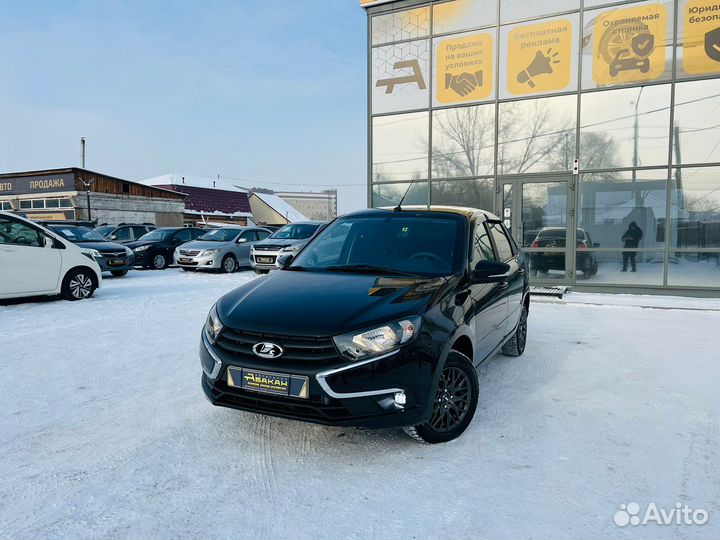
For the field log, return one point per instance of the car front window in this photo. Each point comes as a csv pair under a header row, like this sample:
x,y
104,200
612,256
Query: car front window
x,y
295,232
157,234
422,245
78,234
219,235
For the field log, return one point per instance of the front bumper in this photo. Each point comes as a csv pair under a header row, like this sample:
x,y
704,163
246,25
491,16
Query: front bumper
x,y
114,264
341,394
264,260
207,262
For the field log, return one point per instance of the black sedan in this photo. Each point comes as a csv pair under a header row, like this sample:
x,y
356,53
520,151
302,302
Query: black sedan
x,y
114,258
155,249
379,321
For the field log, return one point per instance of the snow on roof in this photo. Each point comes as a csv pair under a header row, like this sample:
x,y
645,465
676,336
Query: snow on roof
x,y
192,181
281,207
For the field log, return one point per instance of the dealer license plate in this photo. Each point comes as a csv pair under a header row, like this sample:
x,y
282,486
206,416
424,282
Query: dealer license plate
x,y
278,384
184,261
117,262
265,260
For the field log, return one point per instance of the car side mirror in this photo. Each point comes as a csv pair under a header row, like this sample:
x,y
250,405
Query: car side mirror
x,y
48,242
242,240
490,272
284,260
596,244
113,237
176,241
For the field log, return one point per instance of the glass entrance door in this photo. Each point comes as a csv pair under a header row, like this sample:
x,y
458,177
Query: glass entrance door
x,y
538,213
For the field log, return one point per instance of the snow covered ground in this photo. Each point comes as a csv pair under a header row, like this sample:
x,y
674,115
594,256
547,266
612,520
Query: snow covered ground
x,y
104,430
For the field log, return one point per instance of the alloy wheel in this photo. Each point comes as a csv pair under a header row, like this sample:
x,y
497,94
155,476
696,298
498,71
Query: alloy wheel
x,y
80,286
229,265
451,400
522,331
159,262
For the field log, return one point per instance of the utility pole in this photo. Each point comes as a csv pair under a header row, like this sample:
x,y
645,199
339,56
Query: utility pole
x,y
678,170
636,158
85,182
82,152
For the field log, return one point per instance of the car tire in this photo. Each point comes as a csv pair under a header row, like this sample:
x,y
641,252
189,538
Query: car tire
x,y
515,346
119,273
261,272
458,379
79,284
159,262
185,269
228,264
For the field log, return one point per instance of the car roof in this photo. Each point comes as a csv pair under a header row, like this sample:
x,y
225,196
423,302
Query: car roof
x,y
465,211
300,223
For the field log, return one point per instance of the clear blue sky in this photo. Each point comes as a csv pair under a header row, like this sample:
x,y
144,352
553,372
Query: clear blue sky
x,y
261,89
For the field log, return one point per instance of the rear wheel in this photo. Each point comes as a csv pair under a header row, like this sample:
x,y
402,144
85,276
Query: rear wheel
x,y
119,273
454,405
516,345
229,264
261,272
78,285
159,262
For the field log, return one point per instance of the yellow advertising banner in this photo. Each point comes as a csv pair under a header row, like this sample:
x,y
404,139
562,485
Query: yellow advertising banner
x,y
629,44
540,57
701,49
464,69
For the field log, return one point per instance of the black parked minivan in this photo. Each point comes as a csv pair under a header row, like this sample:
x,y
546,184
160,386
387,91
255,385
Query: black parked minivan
x,y
379,322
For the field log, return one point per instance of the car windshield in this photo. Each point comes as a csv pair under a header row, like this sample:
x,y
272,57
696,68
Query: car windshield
x,y
220,235
75,233
394,244
298,231
158,234
105,231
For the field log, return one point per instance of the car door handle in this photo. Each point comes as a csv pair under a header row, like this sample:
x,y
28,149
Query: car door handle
x,y
503,286
521,271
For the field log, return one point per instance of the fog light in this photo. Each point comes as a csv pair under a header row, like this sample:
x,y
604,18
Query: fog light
x,y
400,399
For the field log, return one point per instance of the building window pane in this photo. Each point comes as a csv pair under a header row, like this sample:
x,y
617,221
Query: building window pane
x,y
52,203
697,122
475,193
390,194
38,203
694,270
25,204
627,44
607,127
602,267
400,147
464,68
400,77
695,218
539,57
463,15
463,141
698,54
613,201
537,135
513,10
401,25
65,203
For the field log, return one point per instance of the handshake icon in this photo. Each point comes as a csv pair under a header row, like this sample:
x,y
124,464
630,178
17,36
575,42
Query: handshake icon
x,y
464,83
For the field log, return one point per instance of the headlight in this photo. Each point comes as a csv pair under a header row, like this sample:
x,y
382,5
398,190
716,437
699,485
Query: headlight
x,y
378,340
209,252
213,326
92,254
141,248
291,248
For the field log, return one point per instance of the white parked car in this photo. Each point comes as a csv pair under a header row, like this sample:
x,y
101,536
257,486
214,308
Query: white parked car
x,y
36,262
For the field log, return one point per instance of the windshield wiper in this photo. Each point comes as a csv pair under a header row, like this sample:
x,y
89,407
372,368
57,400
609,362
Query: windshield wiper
x,y
369,269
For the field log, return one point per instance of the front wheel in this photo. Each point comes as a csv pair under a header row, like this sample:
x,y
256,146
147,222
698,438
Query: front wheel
x,y
516,345
456,399
229,264
119,273
78,285
159,262
261,272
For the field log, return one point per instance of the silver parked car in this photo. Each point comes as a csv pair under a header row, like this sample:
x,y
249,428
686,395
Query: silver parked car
x,y
224,248
289,239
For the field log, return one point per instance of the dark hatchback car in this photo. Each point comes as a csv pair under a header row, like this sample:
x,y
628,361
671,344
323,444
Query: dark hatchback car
x,y
116,258
555,237
379,322
125,232
155,249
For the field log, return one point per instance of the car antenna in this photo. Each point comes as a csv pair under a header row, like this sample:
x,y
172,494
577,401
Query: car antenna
x,y
398,207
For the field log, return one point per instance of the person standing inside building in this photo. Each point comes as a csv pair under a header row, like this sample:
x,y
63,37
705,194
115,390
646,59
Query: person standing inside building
x,y
631,238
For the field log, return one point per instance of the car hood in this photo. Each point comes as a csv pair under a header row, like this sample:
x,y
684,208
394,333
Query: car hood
x,y
281,242
101,246
138,243
323,304
203,244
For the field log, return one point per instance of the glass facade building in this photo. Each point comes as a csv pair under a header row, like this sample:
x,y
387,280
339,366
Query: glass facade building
x,y
592,128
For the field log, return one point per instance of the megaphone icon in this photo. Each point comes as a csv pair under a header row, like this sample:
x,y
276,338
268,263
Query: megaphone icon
x,y
540,65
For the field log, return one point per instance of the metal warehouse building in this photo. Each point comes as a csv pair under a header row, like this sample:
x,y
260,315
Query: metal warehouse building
x,y
591,127
60,194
